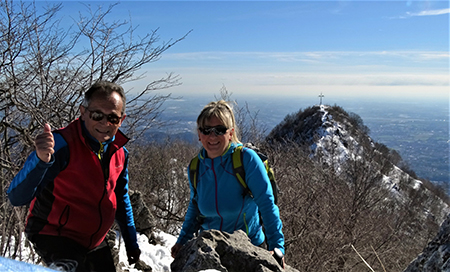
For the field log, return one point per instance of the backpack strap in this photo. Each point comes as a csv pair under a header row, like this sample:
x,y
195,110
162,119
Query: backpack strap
x,y
193,177
193,173
271,174
238,169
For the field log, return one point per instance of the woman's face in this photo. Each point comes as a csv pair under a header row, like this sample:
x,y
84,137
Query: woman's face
x,y
215,145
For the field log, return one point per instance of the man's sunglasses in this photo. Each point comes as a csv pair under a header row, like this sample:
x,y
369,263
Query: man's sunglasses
x,y
98,116
218,130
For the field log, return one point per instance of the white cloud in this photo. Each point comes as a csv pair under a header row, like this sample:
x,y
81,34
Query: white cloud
x,y
430,12
305,56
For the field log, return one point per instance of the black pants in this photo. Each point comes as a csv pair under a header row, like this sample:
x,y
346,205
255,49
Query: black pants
x,y
64,253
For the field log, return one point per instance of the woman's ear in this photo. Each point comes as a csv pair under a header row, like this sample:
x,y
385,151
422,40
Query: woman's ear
x,y
231,134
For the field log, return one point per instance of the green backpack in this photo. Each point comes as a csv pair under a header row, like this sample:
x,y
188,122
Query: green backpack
x,y
239,172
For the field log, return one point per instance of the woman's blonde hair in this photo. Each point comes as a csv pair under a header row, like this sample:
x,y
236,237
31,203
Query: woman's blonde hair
x,y
222,111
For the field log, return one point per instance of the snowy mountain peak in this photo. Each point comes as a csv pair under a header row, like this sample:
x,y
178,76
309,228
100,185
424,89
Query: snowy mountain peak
x,y
324,129
340,140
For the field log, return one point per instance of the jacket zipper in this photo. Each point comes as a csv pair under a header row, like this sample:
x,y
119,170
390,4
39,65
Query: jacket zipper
x,y
217,199
105,176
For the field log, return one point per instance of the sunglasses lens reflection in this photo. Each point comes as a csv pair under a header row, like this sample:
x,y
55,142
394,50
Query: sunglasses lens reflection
x,y
99,116
218,130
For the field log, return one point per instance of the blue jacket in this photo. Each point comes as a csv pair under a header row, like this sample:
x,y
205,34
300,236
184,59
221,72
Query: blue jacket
x,y
223,205
76,195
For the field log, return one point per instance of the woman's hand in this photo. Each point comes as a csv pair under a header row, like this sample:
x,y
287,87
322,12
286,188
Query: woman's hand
x,y
279,256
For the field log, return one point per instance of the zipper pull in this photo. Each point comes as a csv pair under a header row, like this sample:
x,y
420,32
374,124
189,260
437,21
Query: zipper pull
x,y
100,152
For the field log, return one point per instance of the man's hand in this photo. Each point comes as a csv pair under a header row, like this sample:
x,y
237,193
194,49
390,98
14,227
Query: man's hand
x,y
175,249
133,255
44,143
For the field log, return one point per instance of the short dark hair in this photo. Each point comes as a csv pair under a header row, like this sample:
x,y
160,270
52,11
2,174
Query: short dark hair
x,y
104,89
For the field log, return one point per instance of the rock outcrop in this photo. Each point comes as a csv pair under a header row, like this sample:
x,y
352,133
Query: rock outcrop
x,y
436,256
144,223
225,252
211,250
143,218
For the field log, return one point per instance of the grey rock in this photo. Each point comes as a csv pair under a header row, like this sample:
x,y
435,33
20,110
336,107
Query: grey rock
x,y
436,256
142,266
143,218
144,223
225,252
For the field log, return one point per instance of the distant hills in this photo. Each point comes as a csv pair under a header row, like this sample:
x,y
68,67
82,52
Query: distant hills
x,y
418,130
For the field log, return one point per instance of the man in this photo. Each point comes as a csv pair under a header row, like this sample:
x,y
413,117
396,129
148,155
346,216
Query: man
x,y
77,183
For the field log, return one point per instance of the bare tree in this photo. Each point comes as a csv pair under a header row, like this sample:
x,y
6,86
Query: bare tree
x,y
159,171
249,127
325,212
45,70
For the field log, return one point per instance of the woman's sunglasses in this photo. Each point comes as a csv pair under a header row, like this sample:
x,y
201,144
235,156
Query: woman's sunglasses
x,y
218,130
98,116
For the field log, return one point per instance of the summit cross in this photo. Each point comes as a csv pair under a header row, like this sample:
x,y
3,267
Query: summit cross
x,y
321,95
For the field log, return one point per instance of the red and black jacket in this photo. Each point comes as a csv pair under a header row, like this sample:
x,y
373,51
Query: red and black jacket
x,y
79,194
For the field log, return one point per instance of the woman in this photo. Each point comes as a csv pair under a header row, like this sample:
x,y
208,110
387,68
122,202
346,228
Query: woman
x,y
219,199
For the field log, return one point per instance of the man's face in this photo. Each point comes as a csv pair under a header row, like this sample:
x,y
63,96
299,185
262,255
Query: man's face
x,y
111,109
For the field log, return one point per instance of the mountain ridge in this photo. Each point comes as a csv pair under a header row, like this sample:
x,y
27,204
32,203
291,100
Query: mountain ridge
x,y
350,190
334,135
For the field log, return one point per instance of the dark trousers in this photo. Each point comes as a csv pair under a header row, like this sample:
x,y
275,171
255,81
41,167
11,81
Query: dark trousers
x,y
63,253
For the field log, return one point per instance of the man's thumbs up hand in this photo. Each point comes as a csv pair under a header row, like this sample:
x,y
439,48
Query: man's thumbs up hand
x,y
44,143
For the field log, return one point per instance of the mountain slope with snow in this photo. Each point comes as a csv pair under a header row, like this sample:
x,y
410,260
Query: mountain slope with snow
x,y
337,138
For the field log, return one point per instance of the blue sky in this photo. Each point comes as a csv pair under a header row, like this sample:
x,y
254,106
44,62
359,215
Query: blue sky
x,y
301,48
